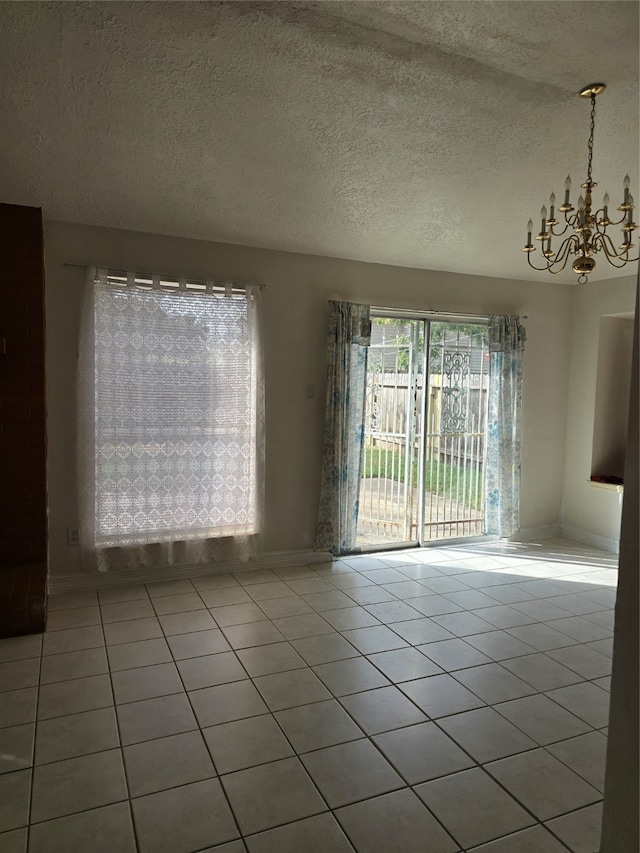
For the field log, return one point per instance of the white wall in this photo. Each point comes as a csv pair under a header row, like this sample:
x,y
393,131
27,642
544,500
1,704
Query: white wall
x,y
590,512
295,311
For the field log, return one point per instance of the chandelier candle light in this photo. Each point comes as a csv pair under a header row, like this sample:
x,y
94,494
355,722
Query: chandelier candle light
x,y
590,228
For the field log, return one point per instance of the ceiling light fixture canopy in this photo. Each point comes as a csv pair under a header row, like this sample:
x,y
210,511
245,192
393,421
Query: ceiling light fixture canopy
x,y
590,228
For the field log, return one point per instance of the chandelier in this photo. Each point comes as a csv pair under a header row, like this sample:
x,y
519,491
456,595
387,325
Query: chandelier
x,y
590,227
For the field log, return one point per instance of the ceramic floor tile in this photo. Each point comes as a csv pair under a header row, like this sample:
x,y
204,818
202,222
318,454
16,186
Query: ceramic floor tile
x,y
214,581
382,709
288,689
198,644
350,772
177,603
321,601
349,618
404,665
16,747
267,659
541,637
168,762
543,720
210,670
586,701
15,791
445,584
205,818
472,599
79,617
279,608
324,648
347,581
577,604
603,647
175,587
124,610
77,734
146,682
129,592
72,697
503,616
350,676
272,794
227,702
394,823
142,653
422,752
252,634
580,629
434,605
155,718
246,743
319,834
73,640
19,648
440,695
394,611
102,830
587,662
498,645
585,755
606,618
187,623
318,725
268,591
534,840
510,593
378,638
309,586
454,654
18,706
287,573
464,623
544,785
370,594
76,784
254,576
493,683
15,675
238,614
304,625
382,575
406,589
70,600
132,631
223,597
417,631
70,665
485,735
473,807
541,672
579,829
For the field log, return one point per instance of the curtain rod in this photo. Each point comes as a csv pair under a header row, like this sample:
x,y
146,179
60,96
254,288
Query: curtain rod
x,y
432,313
162,276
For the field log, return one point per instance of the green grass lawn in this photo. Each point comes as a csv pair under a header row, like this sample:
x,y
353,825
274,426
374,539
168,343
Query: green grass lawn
x,y
440,478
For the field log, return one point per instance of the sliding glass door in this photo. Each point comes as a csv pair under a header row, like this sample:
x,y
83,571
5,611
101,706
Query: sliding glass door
x,y
425,424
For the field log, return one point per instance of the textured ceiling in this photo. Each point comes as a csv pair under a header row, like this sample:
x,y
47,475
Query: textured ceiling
x,y
421,134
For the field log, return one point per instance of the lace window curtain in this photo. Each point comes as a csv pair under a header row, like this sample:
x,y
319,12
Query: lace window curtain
x,y
348,338
502,468
170,423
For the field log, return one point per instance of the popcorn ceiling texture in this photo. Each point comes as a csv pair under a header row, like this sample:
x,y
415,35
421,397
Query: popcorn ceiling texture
x,y
419,134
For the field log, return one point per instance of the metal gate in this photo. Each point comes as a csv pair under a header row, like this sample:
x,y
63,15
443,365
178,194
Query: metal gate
x,y
422,473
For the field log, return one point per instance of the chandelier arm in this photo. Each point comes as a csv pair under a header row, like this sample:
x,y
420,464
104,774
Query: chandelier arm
x,y
559,233
619,221
610,252
562,256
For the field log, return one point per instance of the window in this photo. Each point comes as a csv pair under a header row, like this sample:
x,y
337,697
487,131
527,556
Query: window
x,y
175,406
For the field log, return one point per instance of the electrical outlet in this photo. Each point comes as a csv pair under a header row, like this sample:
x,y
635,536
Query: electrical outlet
x,y
73,536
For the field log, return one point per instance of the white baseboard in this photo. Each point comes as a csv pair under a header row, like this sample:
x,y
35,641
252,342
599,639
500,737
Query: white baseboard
x,y
603,542
532,534
99,580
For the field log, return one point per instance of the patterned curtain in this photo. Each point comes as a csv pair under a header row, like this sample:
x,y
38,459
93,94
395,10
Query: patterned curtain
x,y
502,469
349,336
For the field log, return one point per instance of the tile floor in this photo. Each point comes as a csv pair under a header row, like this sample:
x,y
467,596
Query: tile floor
x,y
441,700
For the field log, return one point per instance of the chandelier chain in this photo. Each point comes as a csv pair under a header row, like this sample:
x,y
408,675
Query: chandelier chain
x,y
593,122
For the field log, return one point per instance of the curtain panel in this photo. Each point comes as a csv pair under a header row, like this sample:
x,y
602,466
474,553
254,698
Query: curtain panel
x,y
348,338
170,422
502,467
